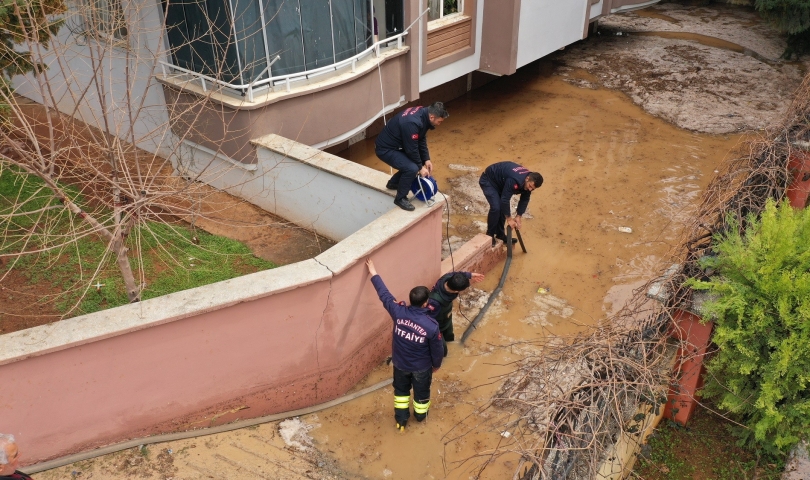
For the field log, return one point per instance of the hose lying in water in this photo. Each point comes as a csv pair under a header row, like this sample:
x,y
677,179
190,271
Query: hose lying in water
x,y
474,324
168,437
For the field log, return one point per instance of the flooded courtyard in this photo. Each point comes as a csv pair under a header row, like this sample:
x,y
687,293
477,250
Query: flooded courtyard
x,y
608,162
606,165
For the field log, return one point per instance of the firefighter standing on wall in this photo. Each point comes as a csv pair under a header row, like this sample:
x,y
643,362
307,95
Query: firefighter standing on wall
x,y
403,145
441,299
499,182
417,349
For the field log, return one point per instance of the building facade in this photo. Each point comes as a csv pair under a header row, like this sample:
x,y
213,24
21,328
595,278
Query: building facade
x,y
207,76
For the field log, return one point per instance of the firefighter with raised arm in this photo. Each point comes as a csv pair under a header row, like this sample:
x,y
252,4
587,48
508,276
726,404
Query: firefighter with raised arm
x,y
402,144
417,349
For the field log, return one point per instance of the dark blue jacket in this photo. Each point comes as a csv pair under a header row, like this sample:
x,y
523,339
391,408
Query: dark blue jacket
x,y
508,178
417,344
440,302
407,131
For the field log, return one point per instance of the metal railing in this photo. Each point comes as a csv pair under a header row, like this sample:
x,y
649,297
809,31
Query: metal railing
x,y
285,81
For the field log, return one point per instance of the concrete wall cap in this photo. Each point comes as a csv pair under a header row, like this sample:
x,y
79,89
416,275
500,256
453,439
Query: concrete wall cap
x,y
97,326
337,166
359,245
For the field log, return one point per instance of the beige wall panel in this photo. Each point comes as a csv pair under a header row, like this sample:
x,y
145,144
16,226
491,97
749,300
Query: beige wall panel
x,y
499,40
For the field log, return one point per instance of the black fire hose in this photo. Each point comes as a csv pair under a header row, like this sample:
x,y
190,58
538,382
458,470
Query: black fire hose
x,y
474,324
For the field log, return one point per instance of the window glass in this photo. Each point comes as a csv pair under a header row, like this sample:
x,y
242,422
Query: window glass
x,y
393,17
442,8
284,38
105,20
224,64
186,26
200,37
250,38
234,39
343,33
315,20
362,25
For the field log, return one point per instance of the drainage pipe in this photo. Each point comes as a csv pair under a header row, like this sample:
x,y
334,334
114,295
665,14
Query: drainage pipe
x,y
168,437
474,324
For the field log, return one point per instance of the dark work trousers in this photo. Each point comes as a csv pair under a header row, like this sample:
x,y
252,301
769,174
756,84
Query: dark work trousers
x,y
402,392
446,327
496,218
406,170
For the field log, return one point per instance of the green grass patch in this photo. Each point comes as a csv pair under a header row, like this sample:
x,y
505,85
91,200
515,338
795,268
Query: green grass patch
x,y
78,265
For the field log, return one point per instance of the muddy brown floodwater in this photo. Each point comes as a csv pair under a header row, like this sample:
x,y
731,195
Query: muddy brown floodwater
x,y
606,164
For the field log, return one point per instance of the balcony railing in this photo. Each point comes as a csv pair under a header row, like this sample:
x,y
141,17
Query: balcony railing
x,y
281,82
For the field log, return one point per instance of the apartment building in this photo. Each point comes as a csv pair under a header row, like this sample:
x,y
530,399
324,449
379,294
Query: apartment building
x,y
207,76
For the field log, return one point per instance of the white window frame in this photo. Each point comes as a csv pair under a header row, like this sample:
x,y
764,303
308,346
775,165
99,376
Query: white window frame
x,y
459,11
105,21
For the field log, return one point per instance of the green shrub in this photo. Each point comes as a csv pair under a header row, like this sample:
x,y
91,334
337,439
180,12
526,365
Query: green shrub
x,y
761,370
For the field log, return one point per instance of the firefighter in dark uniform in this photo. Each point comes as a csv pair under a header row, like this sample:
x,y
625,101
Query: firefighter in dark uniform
x,y
440,302
417,349
499,182
403,145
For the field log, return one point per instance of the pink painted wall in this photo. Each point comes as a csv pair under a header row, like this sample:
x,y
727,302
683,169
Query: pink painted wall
x,y
280,352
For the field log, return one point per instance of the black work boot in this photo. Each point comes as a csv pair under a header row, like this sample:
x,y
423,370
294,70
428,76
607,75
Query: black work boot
x,y
404,204
392,186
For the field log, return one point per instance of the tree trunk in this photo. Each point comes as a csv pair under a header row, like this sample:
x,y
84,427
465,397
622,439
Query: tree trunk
x,y
122,259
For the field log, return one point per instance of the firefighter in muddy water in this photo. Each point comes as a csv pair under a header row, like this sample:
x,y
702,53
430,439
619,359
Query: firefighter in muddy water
x,y
417,349
440,300
402,144
499,182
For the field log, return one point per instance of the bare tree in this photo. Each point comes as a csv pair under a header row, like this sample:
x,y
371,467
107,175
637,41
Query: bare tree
x,y
88,133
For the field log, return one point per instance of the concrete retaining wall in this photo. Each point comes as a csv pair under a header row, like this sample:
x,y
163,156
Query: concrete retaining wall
x,y
263,343
302,184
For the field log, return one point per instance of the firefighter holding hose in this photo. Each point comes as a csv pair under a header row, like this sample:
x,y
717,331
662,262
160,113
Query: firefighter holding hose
x,y
499,182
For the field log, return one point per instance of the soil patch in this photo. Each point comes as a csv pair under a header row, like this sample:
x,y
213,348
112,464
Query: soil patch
x,y
25,305
703,450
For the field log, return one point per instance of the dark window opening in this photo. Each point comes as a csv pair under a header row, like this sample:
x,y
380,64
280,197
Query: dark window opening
x,y
235,40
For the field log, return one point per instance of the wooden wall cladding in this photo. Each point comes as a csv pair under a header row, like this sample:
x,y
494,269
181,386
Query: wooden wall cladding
x,y
448,39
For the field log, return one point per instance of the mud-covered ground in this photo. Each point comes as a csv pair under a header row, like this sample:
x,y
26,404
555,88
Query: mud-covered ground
x,y
708,69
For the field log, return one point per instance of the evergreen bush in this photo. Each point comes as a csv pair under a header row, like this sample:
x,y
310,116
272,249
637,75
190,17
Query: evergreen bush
x,y
761,309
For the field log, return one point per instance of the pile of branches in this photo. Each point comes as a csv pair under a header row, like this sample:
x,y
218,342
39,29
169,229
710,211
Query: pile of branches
x,y
566,408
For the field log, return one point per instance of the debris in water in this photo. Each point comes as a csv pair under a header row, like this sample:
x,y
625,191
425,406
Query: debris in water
x,y
295,433
625,229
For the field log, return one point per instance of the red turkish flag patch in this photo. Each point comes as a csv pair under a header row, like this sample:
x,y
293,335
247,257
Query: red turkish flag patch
x,y
415,136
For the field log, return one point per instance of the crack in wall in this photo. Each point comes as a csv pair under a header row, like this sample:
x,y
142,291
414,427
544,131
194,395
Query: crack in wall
x,y
320,324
